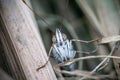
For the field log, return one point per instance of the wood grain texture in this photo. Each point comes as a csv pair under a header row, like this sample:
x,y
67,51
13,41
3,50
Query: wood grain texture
x,y
26,48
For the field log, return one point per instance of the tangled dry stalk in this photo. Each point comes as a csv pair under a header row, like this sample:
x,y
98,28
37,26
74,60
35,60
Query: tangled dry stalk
x,y
101,65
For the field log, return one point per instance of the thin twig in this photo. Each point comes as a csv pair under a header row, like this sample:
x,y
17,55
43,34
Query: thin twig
x,y
82,73
77,72
84,58
46,61
107,59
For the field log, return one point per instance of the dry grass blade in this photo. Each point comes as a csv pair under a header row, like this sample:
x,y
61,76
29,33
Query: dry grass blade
x,y
110,39
78,73
82,73
105,61
84,58
102,63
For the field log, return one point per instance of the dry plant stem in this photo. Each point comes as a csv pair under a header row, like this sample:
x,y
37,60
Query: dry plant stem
x,y
78,73
84,41
102,40
24,42
76,51
91,57
88,57
110,39
82,73
106,60
84,58
43,65
95,40
95,50
47,60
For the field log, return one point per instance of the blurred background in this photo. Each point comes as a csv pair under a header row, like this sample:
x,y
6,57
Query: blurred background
x,y
80,19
